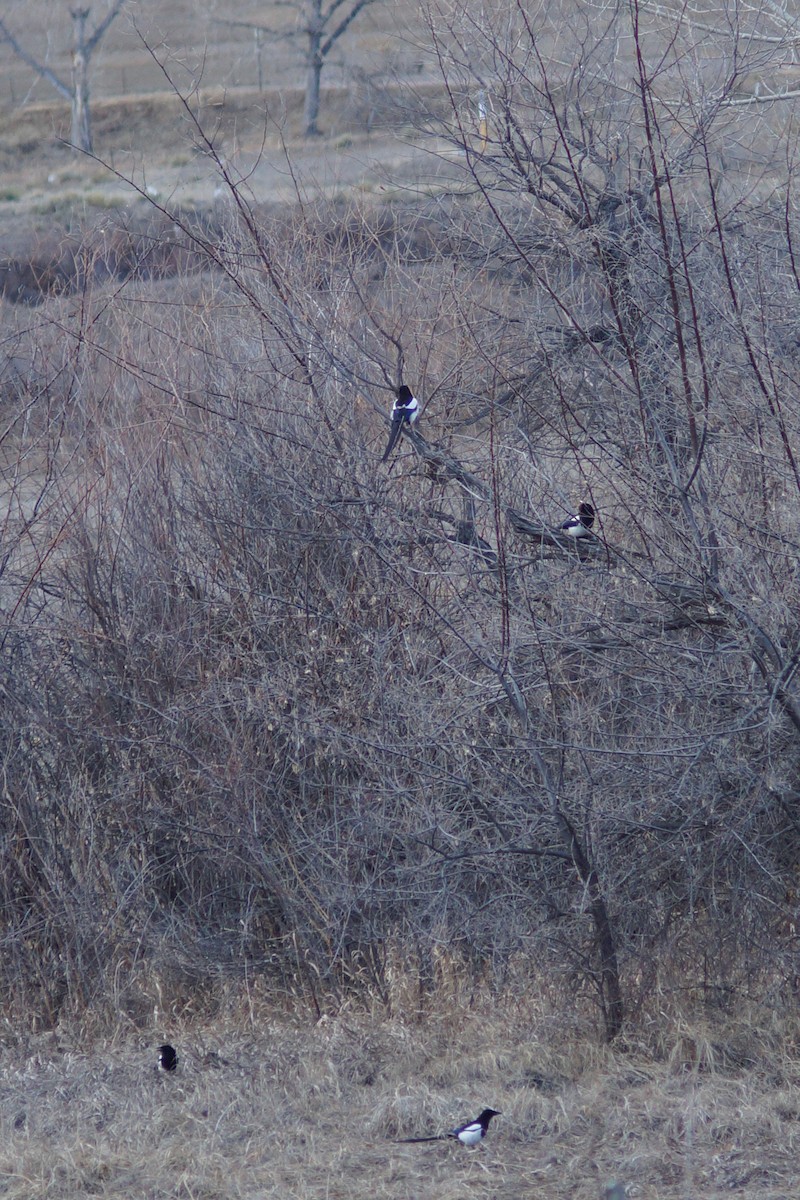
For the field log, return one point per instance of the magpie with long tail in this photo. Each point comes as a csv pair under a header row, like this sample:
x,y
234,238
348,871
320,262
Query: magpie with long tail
x,y
469,1135
580,525
405,411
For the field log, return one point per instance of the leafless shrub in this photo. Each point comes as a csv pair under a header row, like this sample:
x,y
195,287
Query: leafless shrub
x,y
274,709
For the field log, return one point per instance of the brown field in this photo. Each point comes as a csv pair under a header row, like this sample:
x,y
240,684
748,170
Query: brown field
x,y
265,1106
141,131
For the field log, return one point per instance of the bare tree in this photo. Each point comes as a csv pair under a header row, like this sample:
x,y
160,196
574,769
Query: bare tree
x,y
77,90
321,26
617,207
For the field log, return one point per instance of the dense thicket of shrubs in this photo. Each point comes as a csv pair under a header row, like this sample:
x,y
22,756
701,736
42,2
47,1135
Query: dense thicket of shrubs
x,y
271,708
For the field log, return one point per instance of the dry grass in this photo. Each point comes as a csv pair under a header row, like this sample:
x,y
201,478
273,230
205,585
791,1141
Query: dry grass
x,y
151,142
278,1106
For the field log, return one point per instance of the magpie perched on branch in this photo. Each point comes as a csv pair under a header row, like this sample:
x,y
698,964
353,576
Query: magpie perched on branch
x,y
405,411
581,523
167,1058
469,1135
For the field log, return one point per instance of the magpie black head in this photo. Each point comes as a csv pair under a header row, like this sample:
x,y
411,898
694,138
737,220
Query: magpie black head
x,y
404,395
167,1058
486,1116
586,514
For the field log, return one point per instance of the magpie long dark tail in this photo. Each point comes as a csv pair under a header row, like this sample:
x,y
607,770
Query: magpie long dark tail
x,y
437,1137
393,436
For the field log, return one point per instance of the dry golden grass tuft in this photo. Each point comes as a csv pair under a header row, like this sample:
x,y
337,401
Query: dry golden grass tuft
x,y
282,1106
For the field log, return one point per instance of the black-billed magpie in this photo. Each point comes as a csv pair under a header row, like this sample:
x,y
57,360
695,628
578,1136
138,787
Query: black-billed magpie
x,y
405,411
469,1135
581,523
167,1058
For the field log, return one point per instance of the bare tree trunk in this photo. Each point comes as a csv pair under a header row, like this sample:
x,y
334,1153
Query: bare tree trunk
x,y
318,27
81,135
315,57
313,75
609,986
608,981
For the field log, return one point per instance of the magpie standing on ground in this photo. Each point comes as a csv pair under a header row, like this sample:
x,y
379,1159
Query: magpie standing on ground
x,y
167,1058
581,523
469,1135
405,411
